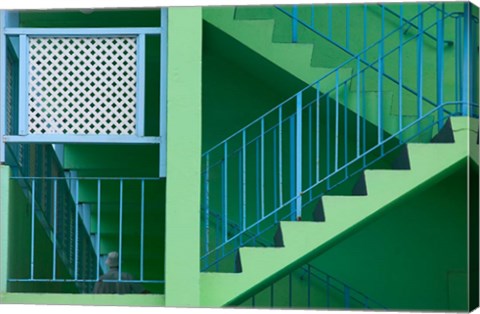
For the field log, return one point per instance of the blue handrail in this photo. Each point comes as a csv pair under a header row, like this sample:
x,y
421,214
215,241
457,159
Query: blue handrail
x,y
279,181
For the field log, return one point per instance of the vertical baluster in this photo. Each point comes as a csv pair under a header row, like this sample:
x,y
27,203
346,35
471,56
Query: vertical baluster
x,y
347,26
244,179
32,239
258,187
99,193
295,24
380,81
120,231
54,257
400,75
364,134
466,66
358,107
330,21
420,65
440,69
365,32
347,296
76,227
336,119
292,183
142,227
275,180
225,194
207,203
298,158
280,153
345,125
328,141
310,151
458,61
240,199
262,167
318,133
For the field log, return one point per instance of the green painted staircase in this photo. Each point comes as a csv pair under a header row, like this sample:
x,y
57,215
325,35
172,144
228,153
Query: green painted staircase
x,y
257,33
301,241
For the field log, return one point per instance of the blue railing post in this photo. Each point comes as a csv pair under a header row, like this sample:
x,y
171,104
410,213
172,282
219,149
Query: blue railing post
x,y
142,226
54,257
420,65
99,197
23,86
293,169
330,21
347,296
400,75
225,195
163,93
466,66
120,231
380,79
295,24
207,203
440,69
347,27
298,158
32,247
458,62
3,83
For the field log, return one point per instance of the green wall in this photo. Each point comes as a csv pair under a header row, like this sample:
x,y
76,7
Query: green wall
x,y
409,257
183,162
413,257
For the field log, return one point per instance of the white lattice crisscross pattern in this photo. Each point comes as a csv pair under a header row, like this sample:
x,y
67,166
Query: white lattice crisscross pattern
x,y
82,85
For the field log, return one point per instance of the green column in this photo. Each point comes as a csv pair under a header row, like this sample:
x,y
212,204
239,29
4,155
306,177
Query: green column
x,y
4,211
183,157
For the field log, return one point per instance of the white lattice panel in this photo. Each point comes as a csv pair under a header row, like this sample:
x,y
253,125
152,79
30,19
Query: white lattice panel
x,y
82,85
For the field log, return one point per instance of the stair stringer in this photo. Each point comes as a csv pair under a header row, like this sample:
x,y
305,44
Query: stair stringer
x,y
344,214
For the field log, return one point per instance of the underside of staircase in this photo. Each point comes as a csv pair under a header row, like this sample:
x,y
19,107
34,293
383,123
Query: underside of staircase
x,y
299,242
303,60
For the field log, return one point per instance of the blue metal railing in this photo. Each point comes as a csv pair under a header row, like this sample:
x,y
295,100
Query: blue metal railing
x,y
64,208
309,287
368,48
290,156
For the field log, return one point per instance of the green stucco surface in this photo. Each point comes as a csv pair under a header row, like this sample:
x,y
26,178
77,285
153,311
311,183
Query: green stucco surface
x,y
4,225
224,71
183,163
344,214
84,299
412,257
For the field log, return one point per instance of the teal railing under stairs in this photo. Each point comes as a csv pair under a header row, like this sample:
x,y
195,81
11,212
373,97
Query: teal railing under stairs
x,y
65,242
309,287
278,166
